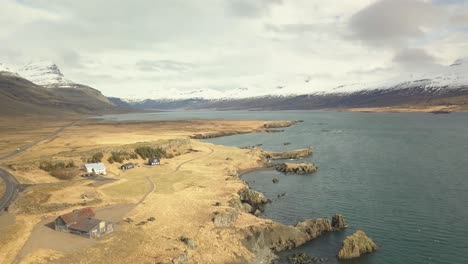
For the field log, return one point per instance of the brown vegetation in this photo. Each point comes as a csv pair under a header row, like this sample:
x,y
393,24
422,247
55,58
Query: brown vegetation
x,y
2,188
179,193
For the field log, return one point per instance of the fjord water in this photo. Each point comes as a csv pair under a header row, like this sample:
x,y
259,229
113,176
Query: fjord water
x,y
400,177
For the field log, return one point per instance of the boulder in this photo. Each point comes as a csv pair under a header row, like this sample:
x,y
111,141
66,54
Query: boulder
x,y
225,219
255,199
181,259
297,168
191,244
275,180
356,245
338,222
247,208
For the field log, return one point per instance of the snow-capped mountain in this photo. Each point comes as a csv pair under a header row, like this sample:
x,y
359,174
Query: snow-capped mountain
x,y
442,86
44,73
436,80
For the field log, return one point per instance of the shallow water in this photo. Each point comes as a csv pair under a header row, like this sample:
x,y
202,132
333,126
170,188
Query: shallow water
x,y
400,177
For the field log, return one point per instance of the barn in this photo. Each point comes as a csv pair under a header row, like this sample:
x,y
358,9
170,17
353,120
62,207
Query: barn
x,y
82,222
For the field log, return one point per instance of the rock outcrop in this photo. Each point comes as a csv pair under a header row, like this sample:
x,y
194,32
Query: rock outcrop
x,y
279,237
293,154
303,258
300,258
338,222
225,219
279,124
356,245
297,168
253,201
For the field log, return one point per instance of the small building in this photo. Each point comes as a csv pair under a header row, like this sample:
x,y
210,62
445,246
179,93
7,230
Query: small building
x,y
127,166
82,222
154,161
96,168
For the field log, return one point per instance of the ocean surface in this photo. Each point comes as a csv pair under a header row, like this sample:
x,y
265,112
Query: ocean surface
x,y
400,177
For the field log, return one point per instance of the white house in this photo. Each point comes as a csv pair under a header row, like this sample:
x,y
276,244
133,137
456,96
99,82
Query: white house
x,y
154,161
96,168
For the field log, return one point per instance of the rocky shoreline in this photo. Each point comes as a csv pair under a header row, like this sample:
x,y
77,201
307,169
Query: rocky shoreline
x,y
268,127
293,154
265,241
297,168
268,238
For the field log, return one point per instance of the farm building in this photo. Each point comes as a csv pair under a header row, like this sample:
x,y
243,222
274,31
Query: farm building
x,y
127,166
154,161
96,168
82,222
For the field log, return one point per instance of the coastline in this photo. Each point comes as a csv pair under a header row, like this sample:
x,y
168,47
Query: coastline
x,y
190,189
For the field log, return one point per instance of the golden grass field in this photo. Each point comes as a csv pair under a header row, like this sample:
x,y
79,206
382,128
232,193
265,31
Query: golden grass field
x,y
182,194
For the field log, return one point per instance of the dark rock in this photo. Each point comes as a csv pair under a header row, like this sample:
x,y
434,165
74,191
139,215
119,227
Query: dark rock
x,y
281,195
151,219
191,244
338,222
128,220
300,258
356,245
297,168
286,143
275,180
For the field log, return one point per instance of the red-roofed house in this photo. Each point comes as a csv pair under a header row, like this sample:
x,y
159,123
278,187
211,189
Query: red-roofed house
x,y
82,222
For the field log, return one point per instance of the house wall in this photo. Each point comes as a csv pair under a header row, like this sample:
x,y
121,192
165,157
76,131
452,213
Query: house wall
x,y
60,225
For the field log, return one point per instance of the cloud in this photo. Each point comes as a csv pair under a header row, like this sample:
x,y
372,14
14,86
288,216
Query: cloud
x,y
394,22
163,66
414,58
248,9
149,46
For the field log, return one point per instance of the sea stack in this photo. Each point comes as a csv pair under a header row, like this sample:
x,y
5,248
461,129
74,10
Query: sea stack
x,y
338,222
356,245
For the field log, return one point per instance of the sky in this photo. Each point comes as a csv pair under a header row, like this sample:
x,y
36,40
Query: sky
x,y
146,48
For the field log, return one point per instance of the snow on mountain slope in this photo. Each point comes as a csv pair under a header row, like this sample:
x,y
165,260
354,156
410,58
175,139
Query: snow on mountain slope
x,y
44,73
436,81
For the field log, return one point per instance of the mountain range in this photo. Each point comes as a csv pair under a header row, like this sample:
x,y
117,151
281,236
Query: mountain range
x,y
442,88
41,88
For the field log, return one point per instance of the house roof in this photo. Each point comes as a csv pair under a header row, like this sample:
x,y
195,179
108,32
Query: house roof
x,y
77,216
95,166
128,165
154,159
85,225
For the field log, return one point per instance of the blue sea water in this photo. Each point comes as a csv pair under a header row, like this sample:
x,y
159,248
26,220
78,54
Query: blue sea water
x,y
400,177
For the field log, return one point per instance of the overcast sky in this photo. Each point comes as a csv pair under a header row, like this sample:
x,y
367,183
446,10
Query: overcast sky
x,y
142,48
